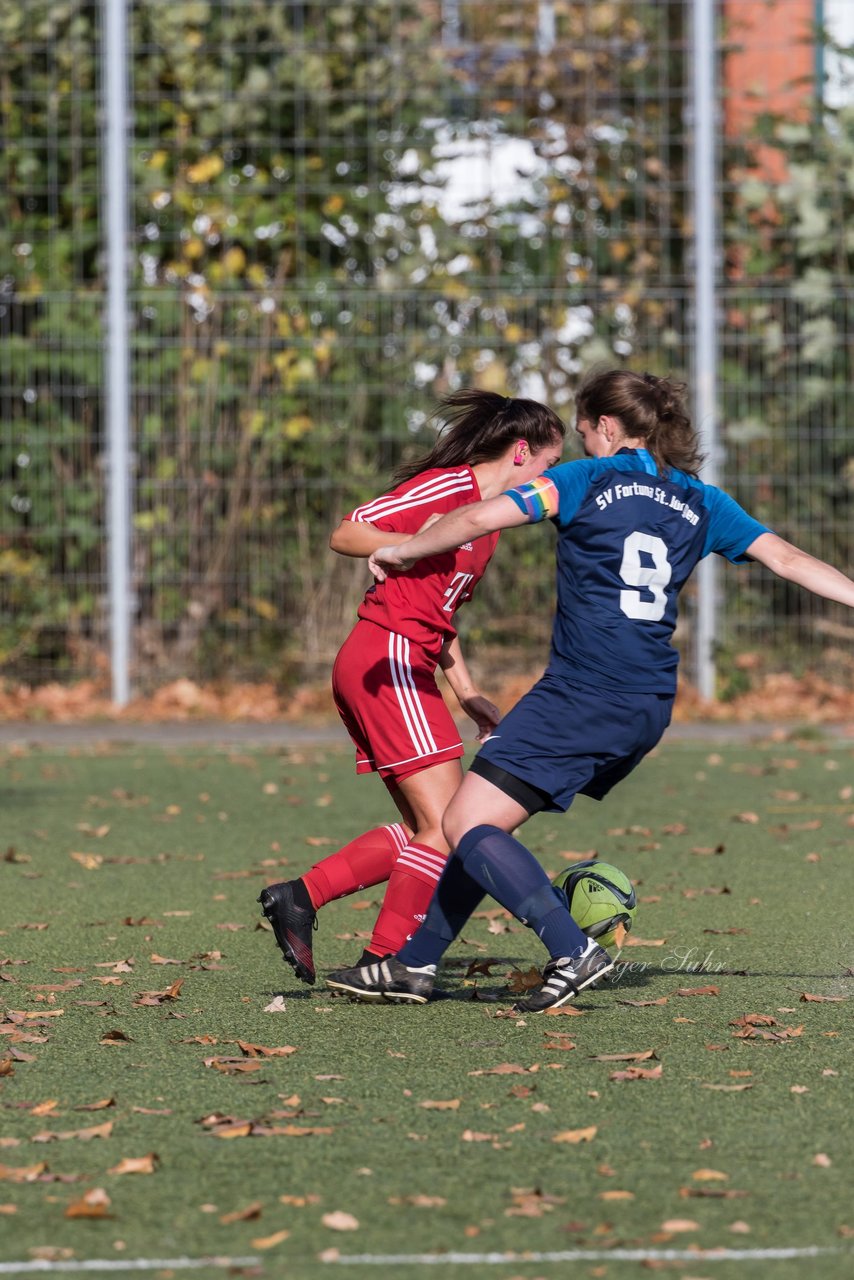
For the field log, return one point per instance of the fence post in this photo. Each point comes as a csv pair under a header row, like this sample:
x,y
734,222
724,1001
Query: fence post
x,y
114,168
704,80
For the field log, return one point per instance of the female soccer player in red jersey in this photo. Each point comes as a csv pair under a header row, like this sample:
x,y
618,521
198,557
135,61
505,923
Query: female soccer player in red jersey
x,y
384,679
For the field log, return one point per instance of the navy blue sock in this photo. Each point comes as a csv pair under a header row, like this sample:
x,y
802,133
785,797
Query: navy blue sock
x,y
559,940
512,875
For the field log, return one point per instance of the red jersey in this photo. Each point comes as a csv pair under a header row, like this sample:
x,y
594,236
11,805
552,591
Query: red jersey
x,y
421,604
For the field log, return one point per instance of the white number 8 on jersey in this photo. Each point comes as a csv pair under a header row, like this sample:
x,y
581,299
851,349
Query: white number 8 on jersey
x,y
653,578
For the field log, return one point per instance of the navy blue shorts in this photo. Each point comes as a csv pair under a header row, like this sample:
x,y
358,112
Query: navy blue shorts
x,y
562,739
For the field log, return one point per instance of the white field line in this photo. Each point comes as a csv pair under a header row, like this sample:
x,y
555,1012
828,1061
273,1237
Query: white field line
x,y
43,1266
577,1255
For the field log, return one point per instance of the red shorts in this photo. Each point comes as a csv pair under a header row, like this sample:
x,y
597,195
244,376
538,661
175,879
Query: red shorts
x,y
386,693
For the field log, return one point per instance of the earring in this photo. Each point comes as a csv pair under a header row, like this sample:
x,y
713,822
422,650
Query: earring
x,y
519,455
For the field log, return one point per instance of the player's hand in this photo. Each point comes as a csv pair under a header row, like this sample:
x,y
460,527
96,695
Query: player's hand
x,y
484,713
385,558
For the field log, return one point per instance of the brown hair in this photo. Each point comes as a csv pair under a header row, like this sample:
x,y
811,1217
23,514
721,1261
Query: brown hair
x,y
650,409
479,426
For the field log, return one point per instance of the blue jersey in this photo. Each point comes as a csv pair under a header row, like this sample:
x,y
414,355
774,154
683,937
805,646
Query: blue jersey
x,y
627,541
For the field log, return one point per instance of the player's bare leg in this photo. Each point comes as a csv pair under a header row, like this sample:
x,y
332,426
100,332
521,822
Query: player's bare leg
x,y
478,801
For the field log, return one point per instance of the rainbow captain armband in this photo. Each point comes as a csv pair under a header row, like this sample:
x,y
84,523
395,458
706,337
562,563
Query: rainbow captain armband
x,y
539,499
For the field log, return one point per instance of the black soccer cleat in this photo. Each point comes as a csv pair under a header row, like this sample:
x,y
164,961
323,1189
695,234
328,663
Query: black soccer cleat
x,y
388,980
564,978
292,926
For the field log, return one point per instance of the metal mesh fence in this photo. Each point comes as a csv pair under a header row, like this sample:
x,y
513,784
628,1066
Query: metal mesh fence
x,y
342,210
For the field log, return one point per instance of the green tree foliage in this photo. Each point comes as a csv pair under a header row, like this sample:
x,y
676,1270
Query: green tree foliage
x,y
316,259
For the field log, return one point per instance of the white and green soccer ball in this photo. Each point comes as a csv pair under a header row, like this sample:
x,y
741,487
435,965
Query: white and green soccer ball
x,y
600,897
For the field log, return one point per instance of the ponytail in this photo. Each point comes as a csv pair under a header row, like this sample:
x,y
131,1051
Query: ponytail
x,y
479,426
650,409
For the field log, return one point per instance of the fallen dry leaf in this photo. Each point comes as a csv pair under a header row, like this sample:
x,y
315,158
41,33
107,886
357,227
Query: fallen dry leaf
x,y
234,1066
290,1130
418,1201
452,1104
521,981
236,1129
637,1073
711,1193
340,1221
759,1033
153,998
641,1056
504,1069
560,1042
94,1203
83,1135
531,1203
88,861
247,1214
822,999
269,1242
136,1164
21,1172
261,1051
620,935
42,1108
575,1136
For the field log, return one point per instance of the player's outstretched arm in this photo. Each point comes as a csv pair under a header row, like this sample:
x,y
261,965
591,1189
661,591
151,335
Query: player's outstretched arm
x,y
358,538
463,525
788,561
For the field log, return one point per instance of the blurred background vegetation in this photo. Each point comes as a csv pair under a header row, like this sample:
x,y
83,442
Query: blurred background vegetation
x,y
341,211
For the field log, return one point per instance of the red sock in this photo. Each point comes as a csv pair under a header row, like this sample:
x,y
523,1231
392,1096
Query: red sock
x,y
410,888
367,860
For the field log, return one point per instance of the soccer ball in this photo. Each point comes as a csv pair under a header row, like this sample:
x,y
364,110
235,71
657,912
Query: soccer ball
x,y
599,897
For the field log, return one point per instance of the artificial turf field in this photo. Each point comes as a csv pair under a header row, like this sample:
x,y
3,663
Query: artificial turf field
x,y
154,1108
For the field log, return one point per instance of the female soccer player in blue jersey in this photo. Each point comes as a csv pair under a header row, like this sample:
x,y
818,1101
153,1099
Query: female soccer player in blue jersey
x,y
632,520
